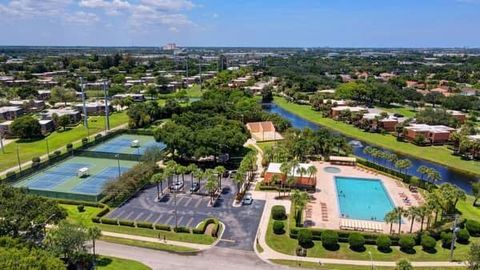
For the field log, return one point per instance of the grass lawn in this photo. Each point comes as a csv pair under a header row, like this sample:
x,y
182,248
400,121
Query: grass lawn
x,y
312,265
439,154
405,111
144,244
285,244
112,263
29,149
84,218
265,145
468,210
182,237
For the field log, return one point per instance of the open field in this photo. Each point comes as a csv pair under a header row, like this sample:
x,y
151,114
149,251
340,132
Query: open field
x,y
29,149
438,154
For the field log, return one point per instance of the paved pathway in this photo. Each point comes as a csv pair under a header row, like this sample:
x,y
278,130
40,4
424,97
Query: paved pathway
x,y
215,258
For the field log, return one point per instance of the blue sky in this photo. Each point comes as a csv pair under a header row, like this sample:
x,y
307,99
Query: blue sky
x,y
271,23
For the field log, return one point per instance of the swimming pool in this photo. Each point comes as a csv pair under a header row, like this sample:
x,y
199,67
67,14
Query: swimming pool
x,y
362,198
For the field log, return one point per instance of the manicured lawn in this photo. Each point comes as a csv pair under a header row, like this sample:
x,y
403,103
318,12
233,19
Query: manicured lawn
x,y
150,245
265,145
312,265
468,210
112,263
29,149
182,237
84,218
285,244
438,154
405,111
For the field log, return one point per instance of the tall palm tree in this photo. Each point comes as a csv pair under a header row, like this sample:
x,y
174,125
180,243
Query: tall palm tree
x,y
219,170
412,213
302,171
422,170
94,233
299,199
191,168
286,170
158,179
391,217
312,172
399,211
198,174
181,170
212,183
422,212
275,179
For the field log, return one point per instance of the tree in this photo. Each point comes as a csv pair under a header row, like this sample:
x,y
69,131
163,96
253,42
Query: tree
x,y
219,171
93,234
26,127
299,199
212,183
391,217
158,180
17,256
138,116
476,192
60,94
404,264
67,241
473,260
412,214
63,121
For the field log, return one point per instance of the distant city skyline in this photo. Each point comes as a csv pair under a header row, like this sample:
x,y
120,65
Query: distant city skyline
x,y
236,23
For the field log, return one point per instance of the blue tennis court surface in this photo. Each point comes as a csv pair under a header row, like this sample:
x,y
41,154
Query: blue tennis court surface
x,y
56,175
123,144
94,184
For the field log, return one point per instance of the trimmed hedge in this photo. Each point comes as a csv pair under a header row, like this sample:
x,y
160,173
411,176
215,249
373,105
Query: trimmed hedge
x,y
109,221
356,241
447,238
329,239
162,227
147,225
473,227
463,236
304,238
181,229
279,227
128,223
406,242
428,243
383,243
278,212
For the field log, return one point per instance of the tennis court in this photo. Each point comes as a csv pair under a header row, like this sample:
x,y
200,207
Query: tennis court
x,y
122,144
62,177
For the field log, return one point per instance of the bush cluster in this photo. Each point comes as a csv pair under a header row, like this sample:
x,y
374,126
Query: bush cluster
x,y
329,239
278,227
278,212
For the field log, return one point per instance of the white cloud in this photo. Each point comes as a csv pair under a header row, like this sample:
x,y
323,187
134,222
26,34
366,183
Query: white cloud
x,y
168,4
82,17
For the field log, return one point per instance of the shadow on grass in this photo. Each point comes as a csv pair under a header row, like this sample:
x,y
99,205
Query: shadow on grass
x,y
335,247
358,249
408,251
430,250
104,261
385,250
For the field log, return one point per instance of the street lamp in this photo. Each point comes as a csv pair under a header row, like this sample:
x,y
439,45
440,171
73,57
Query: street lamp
x,y
118,161
455,230
18,159
1,142
371,259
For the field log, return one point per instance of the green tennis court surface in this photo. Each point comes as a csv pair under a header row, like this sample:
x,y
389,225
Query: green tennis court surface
x,y
122,144
62,177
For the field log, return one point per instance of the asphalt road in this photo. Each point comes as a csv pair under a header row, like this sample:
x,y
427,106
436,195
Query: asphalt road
x,y
215,258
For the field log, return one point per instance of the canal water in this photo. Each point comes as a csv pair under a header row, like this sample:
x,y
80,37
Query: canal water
x,y
448,175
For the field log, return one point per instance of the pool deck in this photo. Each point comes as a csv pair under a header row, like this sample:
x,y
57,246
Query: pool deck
x,y
324,212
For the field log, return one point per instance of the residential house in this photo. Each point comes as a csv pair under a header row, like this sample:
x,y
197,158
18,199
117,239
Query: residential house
x,y
75,116
29,105
135,97
93,108
434,134
47,126
44,94
263,131
10,112
377,121
335,112
458,115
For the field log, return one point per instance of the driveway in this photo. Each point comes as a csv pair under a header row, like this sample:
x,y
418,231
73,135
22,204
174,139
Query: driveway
x,y
241,222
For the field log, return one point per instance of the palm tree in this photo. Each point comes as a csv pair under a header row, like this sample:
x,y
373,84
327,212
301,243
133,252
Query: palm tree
x,y
302,171
212,183
191,168
239,179
412,214
198,174
181,170
285,169
219,170
312,172
158,179
422,212
399,211
275,179
391,217
299,199
422,170
94,233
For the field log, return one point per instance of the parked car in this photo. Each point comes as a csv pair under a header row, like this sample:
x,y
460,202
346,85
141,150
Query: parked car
x,y
176,186
247,199
195,187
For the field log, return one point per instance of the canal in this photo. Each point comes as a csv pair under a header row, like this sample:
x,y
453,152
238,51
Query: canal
x,y
448,175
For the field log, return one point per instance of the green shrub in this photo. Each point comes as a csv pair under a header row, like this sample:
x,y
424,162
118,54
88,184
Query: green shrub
x,y
84,141
147,225
383,243
278,227
36,160
11,174
305,238
428,243
329,239
406,242
356,241
98,136
473,227
463,236
57,153
447,238
96,220
197,231
81,208
103,212
69,146
182,229
278,212
109,221
128,223
162,227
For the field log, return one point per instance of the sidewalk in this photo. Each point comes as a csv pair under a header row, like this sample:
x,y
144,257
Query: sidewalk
x,y
45,156
158,240
269,254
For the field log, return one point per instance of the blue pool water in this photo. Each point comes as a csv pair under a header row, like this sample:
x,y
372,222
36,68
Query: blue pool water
x,y
362,198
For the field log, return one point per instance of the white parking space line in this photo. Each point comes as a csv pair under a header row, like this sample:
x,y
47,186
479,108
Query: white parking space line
x,y
189,222
118,214
159,217
188,202
149,216
199,201
138,216
179,200
179,221
168,220
129,214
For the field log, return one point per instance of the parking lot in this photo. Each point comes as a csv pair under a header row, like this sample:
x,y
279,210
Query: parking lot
x,y
241,222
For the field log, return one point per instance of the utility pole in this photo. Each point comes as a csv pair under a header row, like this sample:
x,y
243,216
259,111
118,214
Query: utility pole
x,y
85,117
186,65
1,142
18,159
200,70
107,109
455,230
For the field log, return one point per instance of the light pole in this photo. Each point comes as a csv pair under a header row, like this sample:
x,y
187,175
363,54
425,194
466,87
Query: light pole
x,y
18,159
371,259
85,117
107,109
48,149
175,210
1,142
455,230
118,161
